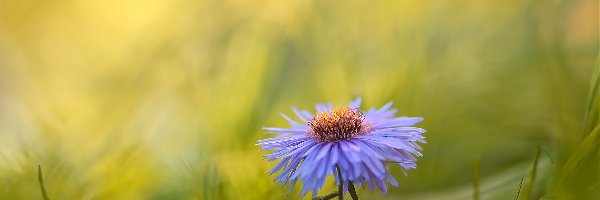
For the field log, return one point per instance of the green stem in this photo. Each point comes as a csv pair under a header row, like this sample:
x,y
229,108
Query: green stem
x,y
341,185
327,197
352,191
476,176
340,192
519,189
531,179
44,193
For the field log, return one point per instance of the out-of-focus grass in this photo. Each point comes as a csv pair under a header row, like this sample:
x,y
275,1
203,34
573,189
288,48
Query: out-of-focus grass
x,y
165,99
579,175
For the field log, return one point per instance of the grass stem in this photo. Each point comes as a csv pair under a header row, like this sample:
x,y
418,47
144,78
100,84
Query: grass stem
x,y
41,180
476,176
532,174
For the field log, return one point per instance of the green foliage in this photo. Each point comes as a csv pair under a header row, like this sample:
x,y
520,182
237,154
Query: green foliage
x,y
579,177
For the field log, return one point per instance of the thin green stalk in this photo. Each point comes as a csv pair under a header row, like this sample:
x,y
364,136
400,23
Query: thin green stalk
x,y
327,197
476,176
44,193
339,193
532,174
341,185
352,191
591,111
518,193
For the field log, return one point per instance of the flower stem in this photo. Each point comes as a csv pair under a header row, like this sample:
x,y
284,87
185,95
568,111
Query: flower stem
x,y
352,191
340,192
327,197
341,185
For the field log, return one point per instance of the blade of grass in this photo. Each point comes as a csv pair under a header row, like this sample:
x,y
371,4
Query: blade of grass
x,y
41,180
591,112
518,193
580,171
587,147
476,176
589,143
532,174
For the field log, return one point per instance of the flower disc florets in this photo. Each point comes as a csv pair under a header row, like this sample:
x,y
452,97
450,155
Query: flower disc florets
x,y
340,123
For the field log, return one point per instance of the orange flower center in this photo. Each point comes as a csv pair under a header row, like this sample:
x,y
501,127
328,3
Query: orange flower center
x,y
340,123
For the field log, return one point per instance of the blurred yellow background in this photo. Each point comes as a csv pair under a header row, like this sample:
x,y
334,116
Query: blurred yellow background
x,y
165,99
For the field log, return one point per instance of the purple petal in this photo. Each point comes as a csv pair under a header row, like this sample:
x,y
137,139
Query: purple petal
x,y
292,122
350,152
396,122
355,103
391,179
324,107
386,106
323,151
309,151
299,114
334,154
285,130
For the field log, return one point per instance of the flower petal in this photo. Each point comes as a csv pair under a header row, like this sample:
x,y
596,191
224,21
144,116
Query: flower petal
x,y
285,130
397,122
323,107
355,103
300,115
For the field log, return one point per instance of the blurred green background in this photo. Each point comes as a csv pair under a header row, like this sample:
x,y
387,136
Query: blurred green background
x,y
157,99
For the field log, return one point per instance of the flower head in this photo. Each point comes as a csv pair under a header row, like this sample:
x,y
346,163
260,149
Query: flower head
x,y
358,144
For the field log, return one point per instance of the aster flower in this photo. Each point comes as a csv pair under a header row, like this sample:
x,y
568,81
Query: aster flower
x,y
357,145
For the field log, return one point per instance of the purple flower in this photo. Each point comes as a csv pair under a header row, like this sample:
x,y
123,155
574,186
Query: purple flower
x,y
359,144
